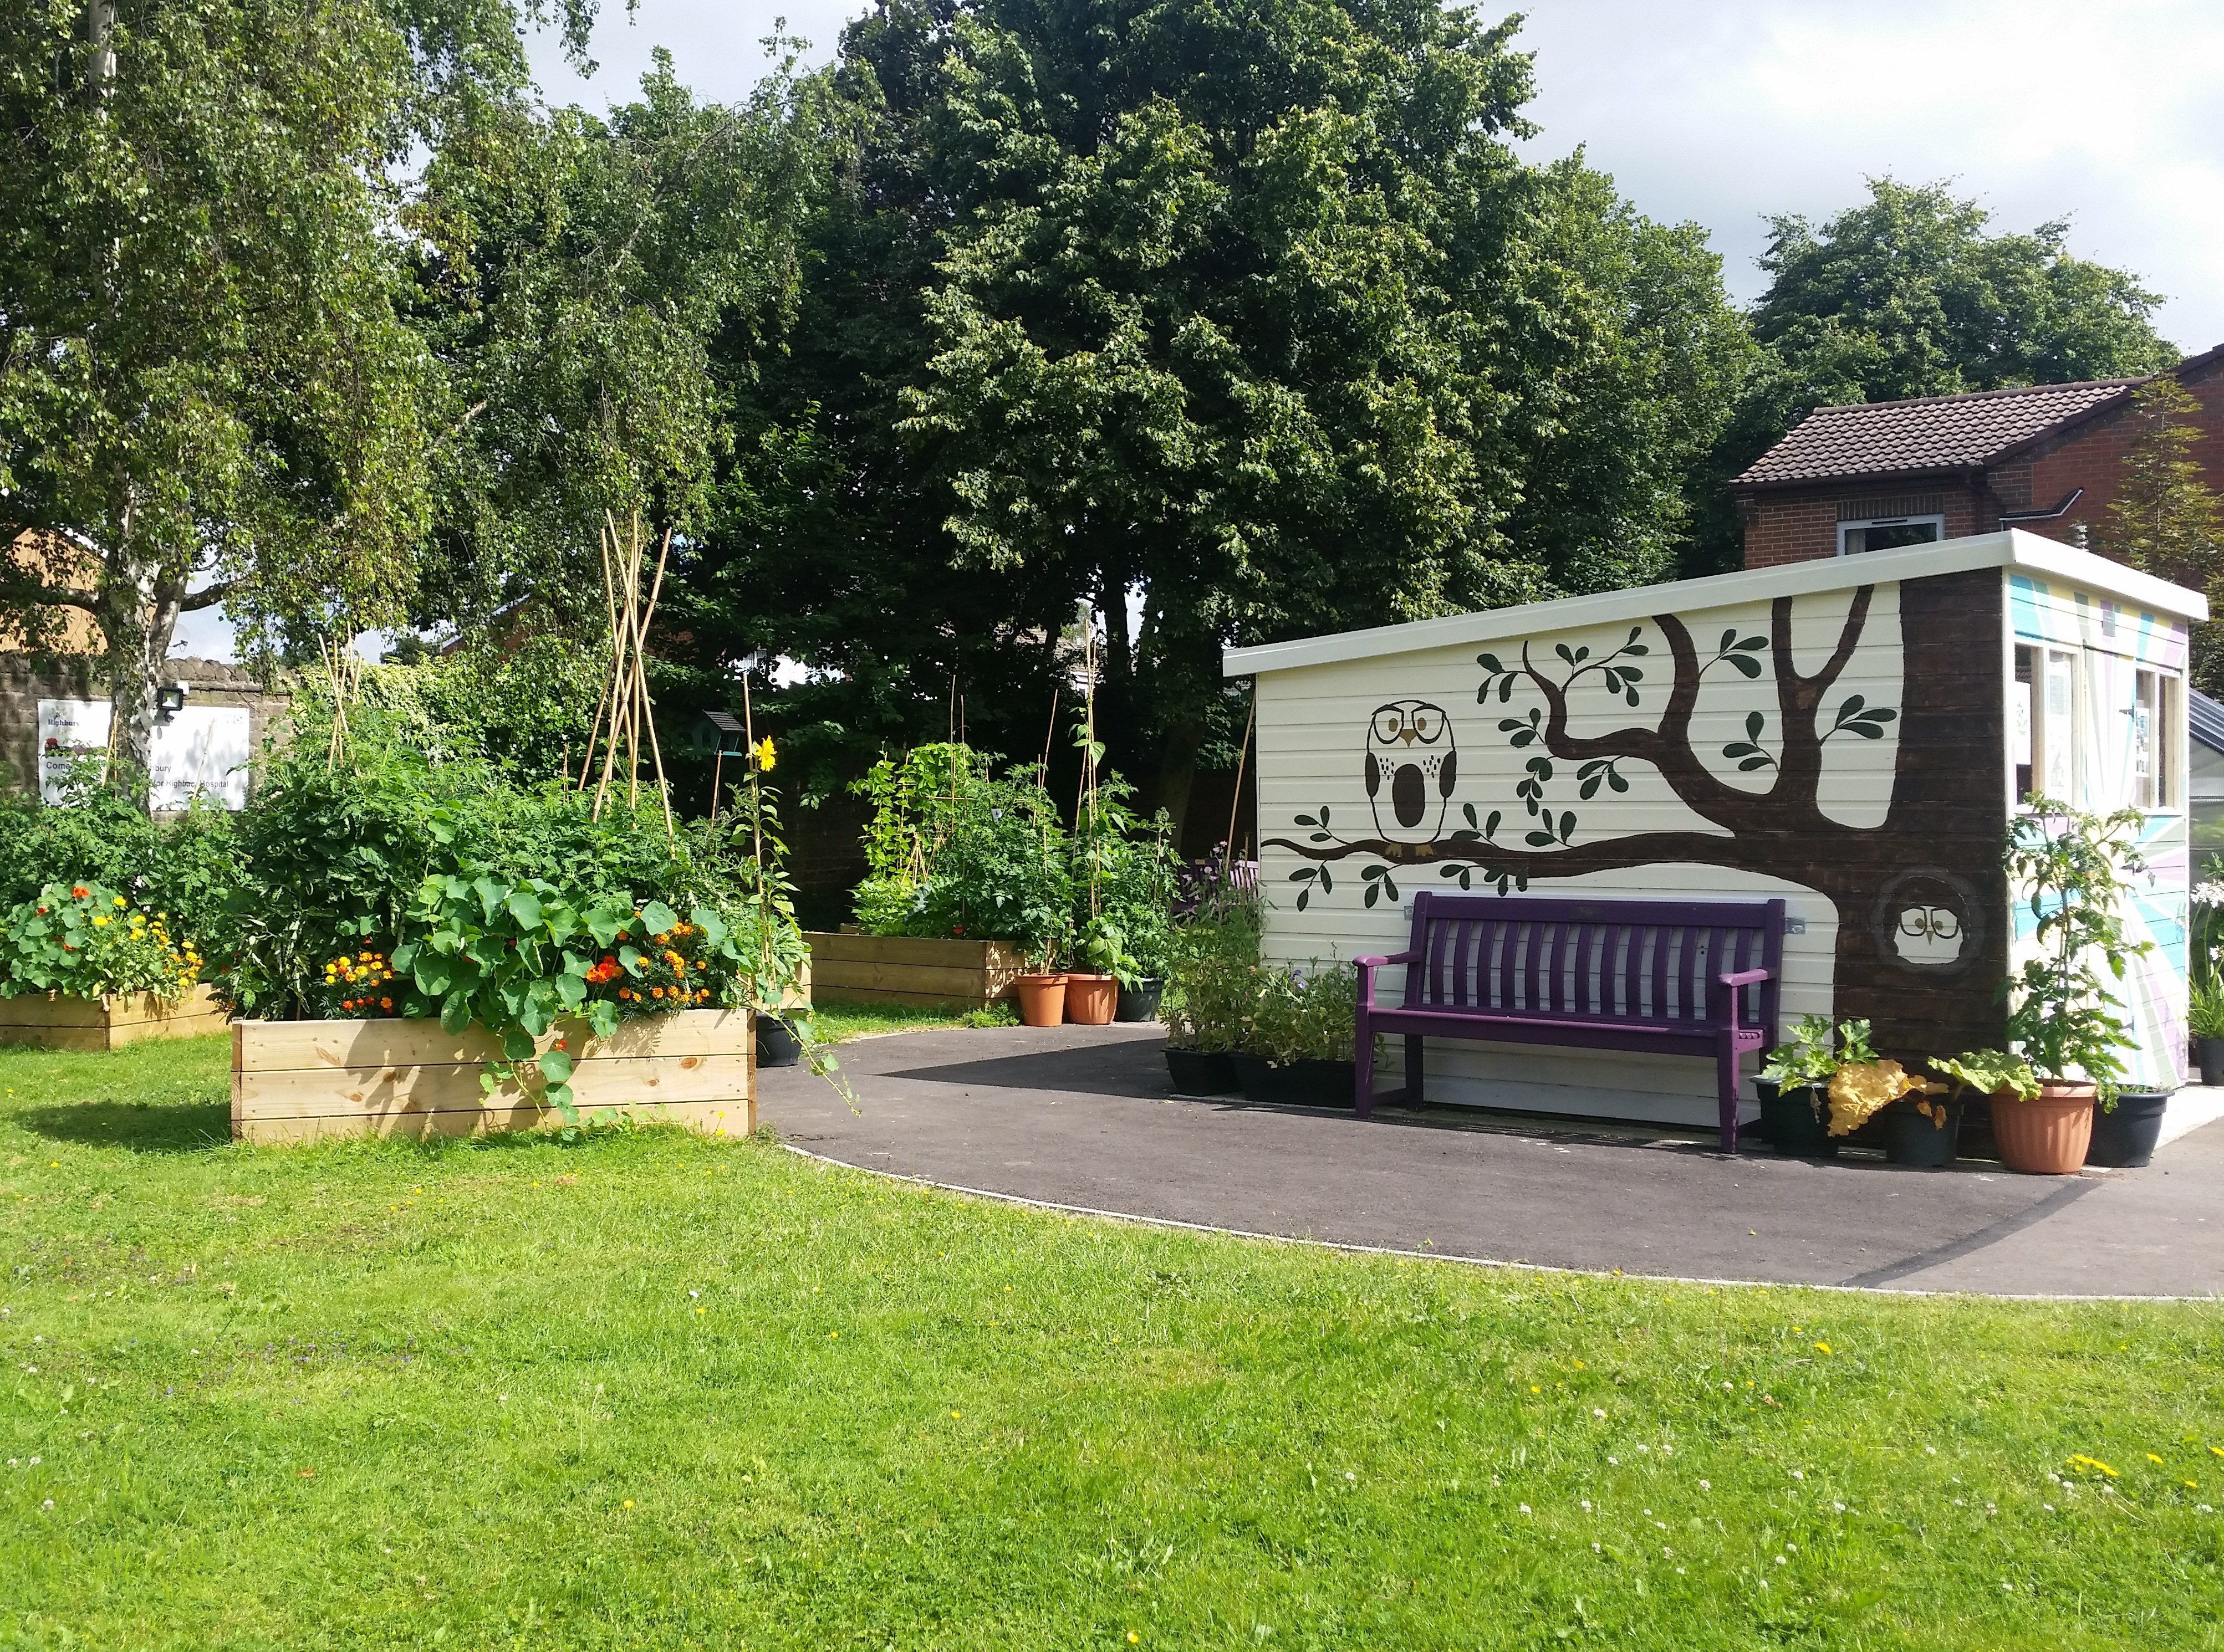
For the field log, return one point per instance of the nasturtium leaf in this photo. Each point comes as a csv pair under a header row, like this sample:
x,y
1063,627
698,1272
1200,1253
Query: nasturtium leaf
x,y
455,1010
712,925
571,989
489,893
603,1017
405,958
556,1066
658,917
524,906
517,1045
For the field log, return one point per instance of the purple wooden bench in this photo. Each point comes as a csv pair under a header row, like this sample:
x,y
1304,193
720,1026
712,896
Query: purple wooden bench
x,y
1683,978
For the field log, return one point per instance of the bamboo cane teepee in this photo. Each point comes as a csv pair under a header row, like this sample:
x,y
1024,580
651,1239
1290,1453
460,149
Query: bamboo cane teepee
x,y
625,713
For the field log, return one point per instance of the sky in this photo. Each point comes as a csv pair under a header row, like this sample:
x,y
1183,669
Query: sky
x,y
2109,113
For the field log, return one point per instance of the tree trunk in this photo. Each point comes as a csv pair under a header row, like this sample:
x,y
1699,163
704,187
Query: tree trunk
x,y
139,618
1178,775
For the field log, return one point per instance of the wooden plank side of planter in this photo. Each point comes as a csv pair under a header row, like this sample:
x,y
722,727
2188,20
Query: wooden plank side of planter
x,y
285,1046
707,1118
454,1087
296,1081
911,969
134,1019
34,1010
57,1021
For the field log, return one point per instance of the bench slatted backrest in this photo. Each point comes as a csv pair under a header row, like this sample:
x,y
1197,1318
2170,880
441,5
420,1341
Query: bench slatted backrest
x,y
1577,959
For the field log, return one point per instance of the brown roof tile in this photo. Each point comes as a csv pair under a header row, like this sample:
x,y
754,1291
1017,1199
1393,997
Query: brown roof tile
x,y
1928,433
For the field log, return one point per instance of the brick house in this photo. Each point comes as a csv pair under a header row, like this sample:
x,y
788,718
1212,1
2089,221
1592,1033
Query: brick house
x,y
1876,475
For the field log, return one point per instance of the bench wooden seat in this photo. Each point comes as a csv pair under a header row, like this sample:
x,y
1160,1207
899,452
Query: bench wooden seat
x,y
1685,977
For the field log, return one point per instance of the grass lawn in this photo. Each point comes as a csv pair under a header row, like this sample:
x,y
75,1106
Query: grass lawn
x,y
649,1391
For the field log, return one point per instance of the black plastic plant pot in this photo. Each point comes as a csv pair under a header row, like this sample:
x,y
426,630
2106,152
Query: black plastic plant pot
x,y
2209,1052
2125,1137
1797,1122
777,1044
1140,1001
1318,1083
1256,1075
1203,1072
1912,1138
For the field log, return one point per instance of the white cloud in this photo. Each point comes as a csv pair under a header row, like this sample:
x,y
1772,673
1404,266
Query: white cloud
x,y
1722,110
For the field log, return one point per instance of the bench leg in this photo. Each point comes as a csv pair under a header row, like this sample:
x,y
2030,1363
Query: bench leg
x,y
1411,1095
1364,1098
1726,1079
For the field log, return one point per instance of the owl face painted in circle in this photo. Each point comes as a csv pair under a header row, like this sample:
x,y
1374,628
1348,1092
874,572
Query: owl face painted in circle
x,y
1411,769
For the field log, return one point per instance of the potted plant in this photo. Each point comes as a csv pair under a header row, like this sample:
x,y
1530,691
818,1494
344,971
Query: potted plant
x,y
1868,1086
1792,1087
2067,865
1212,990
1299,1046
2124,1136
1041,992
1092,994
2204,1019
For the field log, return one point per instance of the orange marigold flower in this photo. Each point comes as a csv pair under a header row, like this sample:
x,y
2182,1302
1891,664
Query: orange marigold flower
x,y
79,891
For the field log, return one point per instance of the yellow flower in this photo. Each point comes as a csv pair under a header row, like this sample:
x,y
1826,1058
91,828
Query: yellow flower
x,y
1860,1089
119,900
1822,1348
2152,1457
765,754
100,922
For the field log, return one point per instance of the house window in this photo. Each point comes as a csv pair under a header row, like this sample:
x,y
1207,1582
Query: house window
x,y
1888,532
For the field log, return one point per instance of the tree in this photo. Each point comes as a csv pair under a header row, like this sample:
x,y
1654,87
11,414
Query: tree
x,y
2164,519
1910,294
594,290
1247,316
206,393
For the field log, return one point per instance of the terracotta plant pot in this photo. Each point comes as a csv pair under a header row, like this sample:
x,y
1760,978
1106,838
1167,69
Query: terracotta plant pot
x,y
2047,1136
1091,999
1042,1000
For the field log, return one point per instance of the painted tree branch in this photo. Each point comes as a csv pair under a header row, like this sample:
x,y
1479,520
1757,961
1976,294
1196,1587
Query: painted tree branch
x,y
1667,746
1799,699
1600,854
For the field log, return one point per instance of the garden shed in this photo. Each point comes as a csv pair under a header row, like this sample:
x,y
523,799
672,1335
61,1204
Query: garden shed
x,y
1849,734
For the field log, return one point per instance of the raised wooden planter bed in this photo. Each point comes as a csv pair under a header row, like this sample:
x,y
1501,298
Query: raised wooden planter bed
x,y
310,1081
908,969
55,1021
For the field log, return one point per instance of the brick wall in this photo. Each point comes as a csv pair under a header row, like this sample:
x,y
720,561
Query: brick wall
x,y
25,680
1798,524
1801,524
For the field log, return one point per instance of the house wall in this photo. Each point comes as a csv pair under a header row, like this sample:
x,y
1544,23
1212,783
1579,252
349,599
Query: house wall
x,y
1910,817
25,680
1801,524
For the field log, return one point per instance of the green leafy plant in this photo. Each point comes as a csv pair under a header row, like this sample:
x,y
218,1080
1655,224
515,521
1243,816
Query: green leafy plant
x,y
2069,866
1304,1013
85,940
1815,1052
514,956
1988,1072
2204,1012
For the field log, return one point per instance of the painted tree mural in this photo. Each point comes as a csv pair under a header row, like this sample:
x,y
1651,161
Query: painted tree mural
x,y
1934,859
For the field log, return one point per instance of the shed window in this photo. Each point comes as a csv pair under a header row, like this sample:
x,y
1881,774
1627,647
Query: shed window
x,y
1888,532
2042,723
2154,782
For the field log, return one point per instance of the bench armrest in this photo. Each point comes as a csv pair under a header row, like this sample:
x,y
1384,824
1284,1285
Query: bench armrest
x,y
1743,977
1367,966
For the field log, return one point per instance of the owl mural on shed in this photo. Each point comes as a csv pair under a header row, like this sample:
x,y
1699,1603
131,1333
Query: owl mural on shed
x,y
1410,770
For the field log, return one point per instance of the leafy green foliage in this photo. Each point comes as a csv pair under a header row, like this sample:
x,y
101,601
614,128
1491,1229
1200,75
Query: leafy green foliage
x,y
184,866
953,851
2068,866
85,940
1988,1072
2164,519
1815,1050
1304,1013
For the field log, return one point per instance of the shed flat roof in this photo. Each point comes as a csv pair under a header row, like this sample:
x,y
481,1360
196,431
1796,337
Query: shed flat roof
x,y
2029,552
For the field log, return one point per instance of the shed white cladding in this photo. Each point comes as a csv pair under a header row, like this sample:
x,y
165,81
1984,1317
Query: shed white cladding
x,y
1313,739
1318,700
